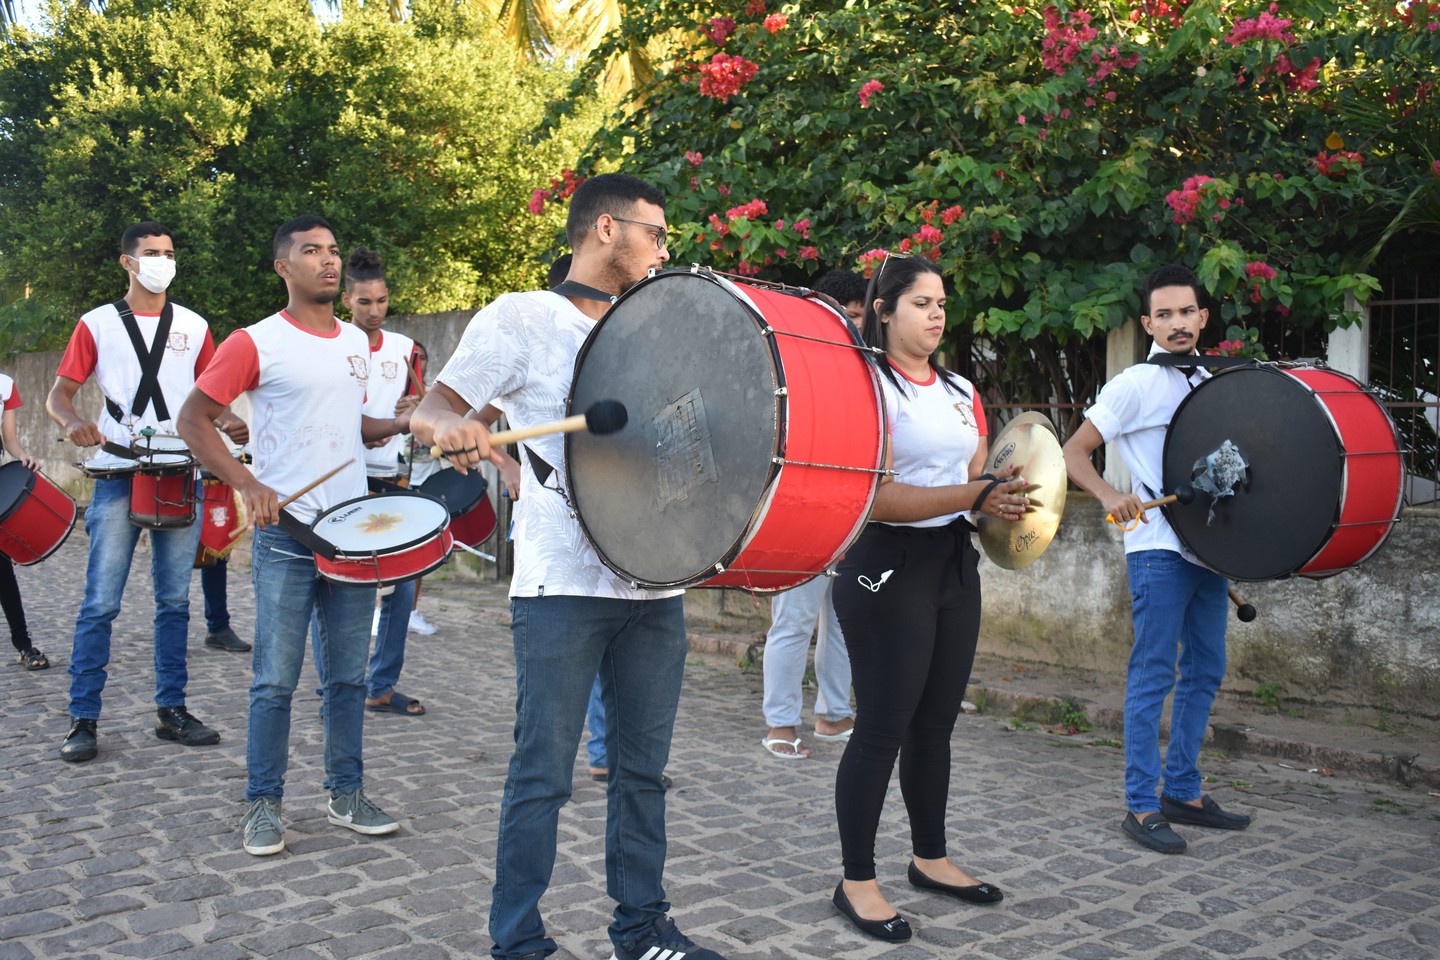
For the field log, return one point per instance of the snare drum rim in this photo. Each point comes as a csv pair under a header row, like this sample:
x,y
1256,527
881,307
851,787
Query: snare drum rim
x,y
723,560
393,549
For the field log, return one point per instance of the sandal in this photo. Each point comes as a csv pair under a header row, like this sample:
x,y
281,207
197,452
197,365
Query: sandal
x,y
773,744
33,659
397,702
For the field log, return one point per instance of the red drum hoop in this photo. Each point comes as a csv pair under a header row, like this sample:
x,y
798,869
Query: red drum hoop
x,y
755,441
383,539
1325,478
35,515
162,490
472,516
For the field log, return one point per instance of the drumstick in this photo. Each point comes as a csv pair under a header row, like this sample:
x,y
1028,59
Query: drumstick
x,y
415,381
1183,494
602,417
1243,610
291,499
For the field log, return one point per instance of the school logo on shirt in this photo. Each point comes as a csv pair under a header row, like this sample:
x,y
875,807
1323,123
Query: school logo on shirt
x,y
177,342
359,369
389,369
967,413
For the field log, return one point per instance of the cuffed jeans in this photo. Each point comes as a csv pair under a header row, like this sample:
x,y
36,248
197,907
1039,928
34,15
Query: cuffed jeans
x,y
638,647
112,548
793,615
1179,612
287,592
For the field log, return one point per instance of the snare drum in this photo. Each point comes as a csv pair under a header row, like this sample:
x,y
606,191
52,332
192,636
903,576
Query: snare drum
x,y
382,539
97,468
35,515
1324,475
472,517
162,490
755,441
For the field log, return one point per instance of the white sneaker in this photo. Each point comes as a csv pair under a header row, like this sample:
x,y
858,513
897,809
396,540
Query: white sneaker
x,y
418,624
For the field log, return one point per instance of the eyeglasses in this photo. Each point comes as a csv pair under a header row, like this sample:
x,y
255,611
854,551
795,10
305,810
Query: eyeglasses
x,y
660,237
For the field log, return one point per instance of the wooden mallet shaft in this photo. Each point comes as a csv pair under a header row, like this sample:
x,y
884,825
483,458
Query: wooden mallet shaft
x,y
605,416
1182,494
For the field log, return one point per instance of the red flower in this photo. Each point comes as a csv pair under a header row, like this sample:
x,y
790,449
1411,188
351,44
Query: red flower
x,y
751,210
809,253
1337,165
950,214
724,75
1267,26
1186,201
537,201
802,227
871,259
1261,269
869,90
775,22
694,157
754,8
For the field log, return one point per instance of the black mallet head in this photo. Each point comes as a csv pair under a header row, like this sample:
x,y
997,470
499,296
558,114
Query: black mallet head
x,y
1184,493
1245,612
606,416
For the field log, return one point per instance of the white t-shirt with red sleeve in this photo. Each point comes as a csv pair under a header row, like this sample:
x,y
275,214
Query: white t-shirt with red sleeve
x,y
390,364
307,391
9,393
100,346
935,429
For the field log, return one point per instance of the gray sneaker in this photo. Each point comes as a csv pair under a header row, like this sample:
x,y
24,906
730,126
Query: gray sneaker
x,y
264,833
359,813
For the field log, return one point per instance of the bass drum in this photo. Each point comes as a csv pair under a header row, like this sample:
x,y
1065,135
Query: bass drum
x,y
1324,480
755,440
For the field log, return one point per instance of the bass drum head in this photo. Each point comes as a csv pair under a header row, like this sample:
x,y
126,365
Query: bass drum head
x,y
671,496
15,483
1284,513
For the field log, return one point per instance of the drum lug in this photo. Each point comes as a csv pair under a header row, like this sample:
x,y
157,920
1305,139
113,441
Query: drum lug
x,y
782,392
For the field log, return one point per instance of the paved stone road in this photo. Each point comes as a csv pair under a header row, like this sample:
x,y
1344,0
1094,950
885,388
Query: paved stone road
x,y
137,853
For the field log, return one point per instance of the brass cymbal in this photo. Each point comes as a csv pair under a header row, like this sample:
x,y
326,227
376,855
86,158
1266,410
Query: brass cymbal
x,y
1031,442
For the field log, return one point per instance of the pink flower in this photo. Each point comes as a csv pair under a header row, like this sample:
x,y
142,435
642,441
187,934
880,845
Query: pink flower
x,y
1089,101
950,214
1110,95
720,29
809,253
1186,201
1065,114
1021,119
723,190
754,8
1261,269
1267,26
751,210
775,22
694,157
869,90
537,202
724,75
1283,310
779,224
871,259
1337,165
1435,168
802,227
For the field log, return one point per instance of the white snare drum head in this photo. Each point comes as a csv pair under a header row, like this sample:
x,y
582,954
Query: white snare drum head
x,y
381,522
160,442
107,465
166,460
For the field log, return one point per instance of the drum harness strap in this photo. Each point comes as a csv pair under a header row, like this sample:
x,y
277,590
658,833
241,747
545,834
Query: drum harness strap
x,y
148,391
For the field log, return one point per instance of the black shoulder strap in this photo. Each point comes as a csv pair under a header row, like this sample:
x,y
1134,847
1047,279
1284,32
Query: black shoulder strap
x,y
1189,361
148,391
582,291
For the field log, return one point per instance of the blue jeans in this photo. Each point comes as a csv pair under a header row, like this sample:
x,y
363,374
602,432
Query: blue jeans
x,y
794,615
638,647
213,586
389,657
112,548
287,592
1179,612
595,720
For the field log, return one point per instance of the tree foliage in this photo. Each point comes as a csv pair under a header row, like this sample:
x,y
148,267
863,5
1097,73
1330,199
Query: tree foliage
x,y
1047,157
224,118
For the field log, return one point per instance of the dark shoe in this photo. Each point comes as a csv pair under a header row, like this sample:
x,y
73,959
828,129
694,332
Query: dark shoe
x,y
33,659
80,741
1208,814
894,930
226,639
975,893
1154,833
663,940
175,723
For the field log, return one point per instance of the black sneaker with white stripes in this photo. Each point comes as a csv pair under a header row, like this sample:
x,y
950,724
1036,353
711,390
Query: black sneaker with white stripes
x,y
664,942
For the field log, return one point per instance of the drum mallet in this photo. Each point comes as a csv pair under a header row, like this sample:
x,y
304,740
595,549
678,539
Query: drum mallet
x,y
602,417
290,499
1243,610
1184,493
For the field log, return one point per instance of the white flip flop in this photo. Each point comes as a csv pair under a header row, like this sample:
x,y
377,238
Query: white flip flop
x,y
769,743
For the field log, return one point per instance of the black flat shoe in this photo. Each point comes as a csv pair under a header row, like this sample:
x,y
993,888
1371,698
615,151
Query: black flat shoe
x,y
1208,814
894,930
975,893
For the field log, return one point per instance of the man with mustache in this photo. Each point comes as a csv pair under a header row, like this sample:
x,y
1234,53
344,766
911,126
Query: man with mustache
x,y
1178,607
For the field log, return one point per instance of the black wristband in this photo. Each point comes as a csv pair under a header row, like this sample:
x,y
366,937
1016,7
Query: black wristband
x,y
980,500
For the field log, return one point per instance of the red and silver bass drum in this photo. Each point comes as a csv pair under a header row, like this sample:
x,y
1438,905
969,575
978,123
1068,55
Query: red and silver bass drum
x,y
35,515
1297,470
382,539
755,437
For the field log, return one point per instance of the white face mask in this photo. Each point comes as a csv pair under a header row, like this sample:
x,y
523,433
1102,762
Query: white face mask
x,y
155,273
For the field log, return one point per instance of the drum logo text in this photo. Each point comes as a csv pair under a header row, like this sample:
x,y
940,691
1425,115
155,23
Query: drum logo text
x,y
342,517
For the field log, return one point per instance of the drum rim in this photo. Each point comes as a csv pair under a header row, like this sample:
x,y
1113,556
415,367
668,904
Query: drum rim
x,y
348,554
27,490
454,512
322,563
722,562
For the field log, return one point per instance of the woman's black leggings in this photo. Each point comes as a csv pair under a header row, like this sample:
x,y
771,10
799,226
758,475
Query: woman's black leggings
x,y
10,603
908,600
